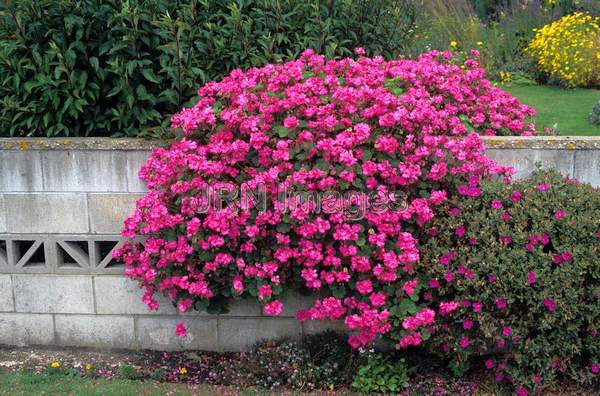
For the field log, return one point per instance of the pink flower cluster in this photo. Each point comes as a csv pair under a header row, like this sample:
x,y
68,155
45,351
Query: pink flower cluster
x,y
313,125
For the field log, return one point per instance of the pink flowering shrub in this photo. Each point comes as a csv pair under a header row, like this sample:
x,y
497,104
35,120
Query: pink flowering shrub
x,y
403,132
523,278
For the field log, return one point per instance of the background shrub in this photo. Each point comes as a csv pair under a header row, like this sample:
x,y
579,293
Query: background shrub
x,y
107,67
522,263
595,115
568,50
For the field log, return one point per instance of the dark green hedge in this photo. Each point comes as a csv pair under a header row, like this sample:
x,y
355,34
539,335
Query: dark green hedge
x,y
111,68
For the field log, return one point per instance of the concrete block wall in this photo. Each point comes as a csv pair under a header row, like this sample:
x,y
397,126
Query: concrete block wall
x,y
62,204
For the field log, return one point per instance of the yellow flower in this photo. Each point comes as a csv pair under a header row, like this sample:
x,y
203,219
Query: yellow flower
x,y
55,365
479,43
88,367
568,49
453,44
182,370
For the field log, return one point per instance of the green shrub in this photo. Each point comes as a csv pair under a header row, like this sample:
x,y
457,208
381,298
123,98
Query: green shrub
x,y
106,67
522,263
379,374
595,115
129,372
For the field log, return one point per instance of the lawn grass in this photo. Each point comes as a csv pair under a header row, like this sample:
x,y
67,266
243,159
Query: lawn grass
x,y
569,108
26,383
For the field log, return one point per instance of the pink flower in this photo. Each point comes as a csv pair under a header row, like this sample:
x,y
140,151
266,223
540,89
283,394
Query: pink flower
x,y
184,304
549,304
409,287
181,330
516,196
273,308
477,306
464,342
496,204
501,303
364,287
506,331
290,122
489,364
448,307
543,187
521,391
531,277
505,216
595,368
559,214
467,324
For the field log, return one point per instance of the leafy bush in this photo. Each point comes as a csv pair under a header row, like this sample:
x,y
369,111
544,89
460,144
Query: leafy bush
x,y
403,129
517,269
595,115
89,67
567,50
381,375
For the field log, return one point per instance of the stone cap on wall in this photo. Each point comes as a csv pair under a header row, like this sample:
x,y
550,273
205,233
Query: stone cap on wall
x,y
133,144
80,143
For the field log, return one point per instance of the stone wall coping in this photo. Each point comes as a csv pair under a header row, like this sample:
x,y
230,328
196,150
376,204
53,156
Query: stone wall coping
x,y
133,144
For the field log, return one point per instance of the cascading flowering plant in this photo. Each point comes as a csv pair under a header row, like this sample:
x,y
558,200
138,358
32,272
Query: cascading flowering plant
x,y
404,131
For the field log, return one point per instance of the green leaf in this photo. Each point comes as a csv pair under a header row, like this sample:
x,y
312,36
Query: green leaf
x,y
150,76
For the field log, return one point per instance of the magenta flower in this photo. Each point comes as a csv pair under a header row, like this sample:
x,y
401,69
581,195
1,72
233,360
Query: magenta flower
x,y
464,342
516,196
489,364
531,277
549,304
506,331
180,330
595,368
501,303
273,308
497,204
521,391
477,306
505,216
434,283
559,214
460,231
543,187
467,324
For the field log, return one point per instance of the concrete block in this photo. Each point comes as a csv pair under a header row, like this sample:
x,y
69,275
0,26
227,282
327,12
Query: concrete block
x,y
135,160
53,293
26,329
84,170
6,296
108,211
245,307
237,334
159,333
120,295
3,228
20,171
319,326
524,160
52,213
294,301
95,331
587,166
